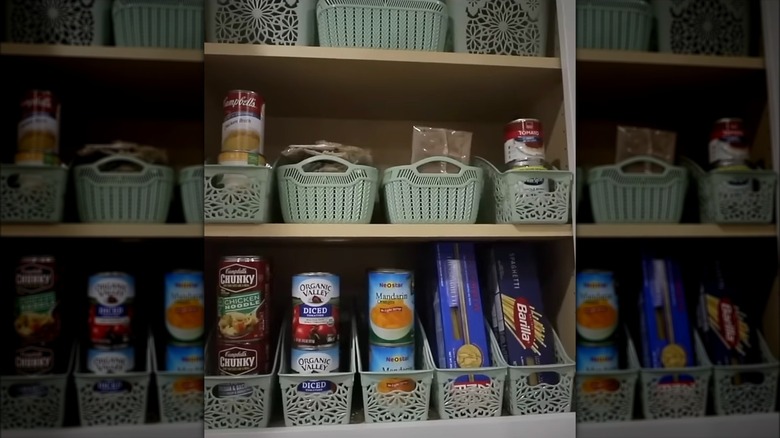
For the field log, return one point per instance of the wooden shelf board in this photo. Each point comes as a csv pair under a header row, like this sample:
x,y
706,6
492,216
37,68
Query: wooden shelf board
x,y
393,232
103,230
381,84
673,230
669,59
102,52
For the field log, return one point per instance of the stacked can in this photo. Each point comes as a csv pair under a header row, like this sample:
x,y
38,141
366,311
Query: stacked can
x,y
597,321
391,320
184,314
111,308
315,323
243,129
243,329
39,130
36,315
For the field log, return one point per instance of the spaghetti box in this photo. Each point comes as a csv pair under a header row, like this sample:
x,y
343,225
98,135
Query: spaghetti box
x,y
514,299
461,338
666,332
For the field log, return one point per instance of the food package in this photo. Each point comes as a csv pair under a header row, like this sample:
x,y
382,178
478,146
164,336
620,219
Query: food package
x,y
356,155
437,142
94,152
633,141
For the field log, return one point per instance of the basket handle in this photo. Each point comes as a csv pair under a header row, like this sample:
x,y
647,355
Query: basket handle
x,y
439,159
323,157
119,158
643,159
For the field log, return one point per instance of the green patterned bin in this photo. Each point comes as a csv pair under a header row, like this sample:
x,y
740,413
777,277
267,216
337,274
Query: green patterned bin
x,y
30,194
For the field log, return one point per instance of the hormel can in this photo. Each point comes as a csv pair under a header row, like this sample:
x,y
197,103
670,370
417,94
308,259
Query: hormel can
x,y
243,358
524,143
243,125
315,319
242,304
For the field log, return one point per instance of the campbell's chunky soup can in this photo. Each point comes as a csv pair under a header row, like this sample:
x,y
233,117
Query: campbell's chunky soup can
x,y
243,358
242,304
184,307
111,308
244,122
36,303
315,319
39,126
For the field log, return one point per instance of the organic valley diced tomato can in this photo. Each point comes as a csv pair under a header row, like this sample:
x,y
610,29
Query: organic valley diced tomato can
x,y
315,319
111,297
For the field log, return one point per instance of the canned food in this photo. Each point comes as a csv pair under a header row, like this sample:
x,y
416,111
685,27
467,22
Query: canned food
x,y
384,358
597,307
184,356
111,296
242,307
597,356
243,126
727,143
242,358
36,158
36,316
184,308
314,360
34,359
524,143
39,126
391,306
315,320
241,158
105,359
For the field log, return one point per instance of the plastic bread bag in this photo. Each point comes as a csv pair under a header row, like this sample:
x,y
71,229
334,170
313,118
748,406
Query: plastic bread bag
x,y
633,141
93,152
353,154
436,142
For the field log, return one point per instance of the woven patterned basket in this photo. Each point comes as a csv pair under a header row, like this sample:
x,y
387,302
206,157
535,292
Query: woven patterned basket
x,y
32,193
614,24
167,23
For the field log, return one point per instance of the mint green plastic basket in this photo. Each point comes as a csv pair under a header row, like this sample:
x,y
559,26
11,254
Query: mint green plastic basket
x,y
32,193
413,197
383,24
614,24
734,196
123,197
237,194
524,196
174,24
191,189
327,197
621,197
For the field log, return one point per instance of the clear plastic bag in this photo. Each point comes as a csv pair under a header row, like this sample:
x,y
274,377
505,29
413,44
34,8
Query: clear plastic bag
x,y
356,155
433,142
633,141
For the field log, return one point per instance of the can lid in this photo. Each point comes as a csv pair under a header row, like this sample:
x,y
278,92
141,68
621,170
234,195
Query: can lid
x,y
37,258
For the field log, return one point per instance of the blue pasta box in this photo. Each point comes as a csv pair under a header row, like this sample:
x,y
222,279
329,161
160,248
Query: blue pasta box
x,y
513,299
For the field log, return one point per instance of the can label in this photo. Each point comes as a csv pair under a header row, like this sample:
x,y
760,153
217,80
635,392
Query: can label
x,y
243,125
186,357
727,143
111,360
39,126
315,318
36,316
597,307
391,306
242,358
241,306
601,356
524,142
383,358
34,359
111,297
184,307
316,360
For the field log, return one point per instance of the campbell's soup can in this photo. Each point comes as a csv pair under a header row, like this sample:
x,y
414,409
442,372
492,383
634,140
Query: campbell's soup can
x,y
242,304
314,360
36,304
111,308
243,358
597,305
39,126
315,319
524,143
243,126
184,304
727,143
111,359
36,359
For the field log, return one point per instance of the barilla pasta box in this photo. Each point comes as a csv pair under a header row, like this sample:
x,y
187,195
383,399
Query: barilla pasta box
x,y
666,332
461,337
726,329
514,301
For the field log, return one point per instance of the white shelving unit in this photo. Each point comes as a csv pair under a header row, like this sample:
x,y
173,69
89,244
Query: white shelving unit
x,y
743,426
172,430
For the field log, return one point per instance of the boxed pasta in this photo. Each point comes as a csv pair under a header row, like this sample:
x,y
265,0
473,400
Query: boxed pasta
x,y
455,302
666,332
513,298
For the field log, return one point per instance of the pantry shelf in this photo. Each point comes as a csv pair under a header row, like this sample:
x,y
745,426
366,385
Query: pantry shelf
x,y
538,426
101,52
392,232
168,430
103,230
744,426
669,60
326,82
674,231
